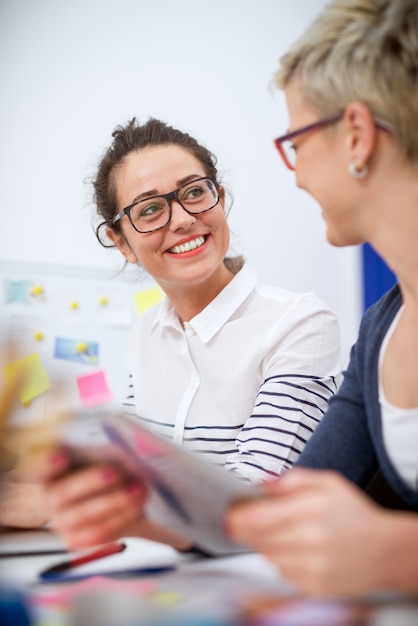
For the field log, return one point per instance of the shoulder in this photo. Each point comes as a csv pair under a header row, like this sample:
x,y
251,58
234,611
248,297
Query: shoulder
x,y
259,294
302,319
373,328
304,302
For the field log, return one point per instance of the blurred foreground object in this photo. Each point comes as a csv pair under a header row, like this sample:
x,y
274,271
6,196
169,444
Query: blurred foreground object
x,y
21,448
8,393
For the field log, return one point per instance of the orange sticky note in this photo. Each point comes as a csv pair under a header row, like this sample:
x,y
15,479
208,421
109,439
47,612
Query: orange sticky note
x,y
35,377
145,299
93,389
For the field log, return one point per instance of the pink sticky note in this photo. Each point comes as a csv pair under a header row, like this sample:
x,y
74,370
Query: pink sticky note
x,y
65,594
93,389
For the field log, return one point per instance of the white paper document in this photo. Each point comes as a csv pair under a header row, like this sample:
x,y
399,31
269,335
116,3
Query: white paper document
x,y
187,495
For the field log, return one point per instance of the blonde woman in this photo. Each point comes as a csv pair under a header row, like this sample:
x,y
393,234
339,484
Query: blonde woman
x,y
351,87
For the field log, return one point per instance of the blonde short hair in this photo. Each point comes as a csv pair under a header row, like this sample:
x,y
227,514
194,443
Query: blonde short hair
x,y
364,51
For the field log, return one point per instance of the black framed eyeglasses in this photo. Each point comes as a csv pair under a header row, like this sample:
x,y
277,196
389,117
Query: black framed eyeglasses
x,y
287,150
154,212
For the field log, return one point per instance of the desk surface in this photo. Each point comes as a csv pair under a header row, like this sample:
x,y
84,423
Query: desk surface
x,y
230,591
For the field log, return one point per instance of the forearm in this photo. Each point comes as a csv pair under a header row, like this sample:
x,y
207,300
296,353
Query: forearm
x,y
399,562
287,410
21,505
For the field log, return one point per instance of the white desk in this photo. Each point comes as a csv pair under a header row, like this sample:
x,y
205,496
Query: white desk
x,y
216,590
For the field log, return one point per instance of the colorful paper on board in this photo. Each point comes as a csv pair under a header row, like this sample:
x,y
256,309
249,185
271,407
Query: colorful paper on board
x,y
146,299
93,389
22,292
76,350
35,376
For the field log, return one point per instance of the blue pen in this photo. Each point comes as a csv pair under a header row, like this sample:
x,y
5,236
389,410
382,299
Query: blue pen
x,y
56,577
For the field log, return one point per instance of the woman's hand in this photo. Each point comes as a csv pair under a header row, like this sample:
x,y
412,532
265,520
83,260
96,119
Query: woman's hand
x,y
91,505
21,503
327,537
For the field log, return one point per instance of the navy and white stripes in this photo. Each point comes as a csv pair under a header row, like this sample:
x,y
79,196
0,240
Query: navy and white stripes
x,y
287,410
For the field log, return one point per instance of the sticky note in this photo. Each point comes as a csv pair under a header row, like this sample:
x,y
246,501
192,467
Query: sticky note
x,y
103,301
167,597
17,291
146,299
66,593
93,389
74,305
35,377
38,336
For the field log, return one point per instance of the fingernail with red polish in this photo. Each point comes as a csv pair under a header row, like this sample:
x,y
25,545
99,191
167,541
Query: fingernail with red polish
x,y
58,460
133,489
108,476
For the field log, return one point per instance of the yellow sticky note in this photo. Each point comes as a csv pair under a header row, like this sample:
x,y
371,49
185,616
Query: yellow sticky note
x,y
145,299
73,305
167,597
35,377
103,301
38,336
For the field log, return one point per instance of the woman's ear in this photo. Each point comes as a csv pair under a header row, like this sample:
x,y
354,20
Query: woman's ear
x,y
361,133
121,244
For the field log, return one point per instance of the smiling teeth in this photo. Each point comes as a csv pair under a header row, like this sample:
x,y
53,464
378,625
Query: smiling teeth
x,y
189,245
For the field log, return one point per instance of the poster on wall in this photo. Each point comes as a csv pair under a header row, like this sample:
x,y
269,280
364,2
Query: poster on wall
x,y
69,327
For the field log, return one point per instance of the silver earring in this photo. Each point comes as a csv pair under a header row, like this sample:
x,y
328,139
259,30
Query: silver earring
x,y
355,173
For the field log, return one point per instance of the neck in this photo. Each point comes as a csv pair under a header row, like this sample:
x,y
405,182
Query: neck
x,y
394,234
190,299
398,246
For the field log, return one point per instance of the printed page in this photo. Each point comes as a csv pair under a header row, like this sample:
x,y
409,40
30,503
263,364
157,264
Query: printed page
x,y
188,495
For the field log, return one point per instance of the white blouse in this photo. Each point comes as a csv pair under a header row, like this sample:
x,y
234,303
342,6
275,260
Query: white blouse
x,y
245,382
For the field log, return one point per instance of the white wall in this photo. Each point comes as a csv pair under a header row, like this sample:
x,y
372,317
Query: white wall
x,y
71,70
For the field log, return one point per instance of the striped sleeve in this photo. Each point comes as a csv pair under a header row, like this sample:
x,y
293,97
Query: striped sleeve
x,y
287,410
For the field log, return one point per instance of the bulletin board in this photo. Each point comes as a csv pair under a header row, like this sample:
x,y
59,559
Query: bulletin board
x,y
71,326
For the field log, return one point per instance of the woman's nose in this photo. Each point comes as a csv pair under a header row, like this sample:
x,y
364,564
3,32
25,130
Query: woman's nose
x,y
180,218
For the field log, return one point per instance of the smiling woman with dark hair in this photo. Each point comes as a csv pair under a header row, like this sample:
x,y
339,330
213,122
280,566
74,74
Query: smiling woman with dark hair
x,y
234,370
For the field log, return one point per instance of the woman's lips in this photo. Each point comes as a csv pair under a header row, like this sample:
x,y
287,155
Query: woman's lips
x,y
188,246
